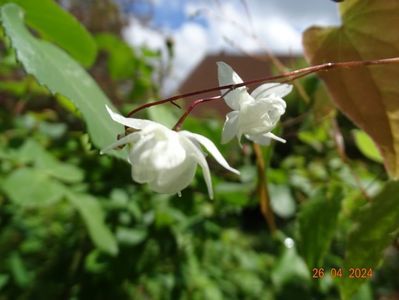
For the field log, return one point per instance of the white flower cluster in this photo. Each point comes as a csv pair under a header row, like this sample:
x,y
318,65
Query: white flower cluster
x,y
254,115
167,160
163,158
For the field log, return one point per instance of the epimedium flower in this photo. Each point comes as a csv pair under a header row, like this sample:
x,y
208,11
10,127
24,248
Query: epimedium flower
x,y
163,158
254,115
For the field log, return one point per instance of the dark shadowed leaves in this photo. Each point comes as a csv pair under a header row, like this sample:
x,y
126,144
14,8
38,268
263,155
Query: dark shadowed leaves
x,y
373,230
317,224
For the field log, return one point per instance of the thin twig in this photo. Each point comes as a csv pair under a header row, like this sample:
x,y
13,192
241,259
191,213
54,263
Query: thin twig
x,y
179,123
193,105
175,104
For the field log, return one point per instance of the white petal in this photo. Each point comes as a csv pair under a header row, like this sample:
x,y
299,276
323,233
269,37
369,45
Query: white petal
x,y
175,180
259,139
130,138
142,174
200,158
227,76
141,156
129,122
275,137
168,154
264,139
142,169
230,127
268,89
210,146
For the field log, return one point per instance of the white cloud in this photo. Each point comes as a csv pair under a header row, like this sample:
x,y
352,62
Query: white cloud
x,y
277,26
279,36
138,35
191,45
190,42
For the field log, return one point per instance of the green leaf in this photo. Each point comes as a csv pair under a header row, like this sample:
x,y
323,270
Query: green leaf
x,y
93,216
121,60
289,267
317,223
366,145
32,152
233,193
281,201
4,278
61,75
367,95
130,236
372,231
19,271
56,25
31,187
162,114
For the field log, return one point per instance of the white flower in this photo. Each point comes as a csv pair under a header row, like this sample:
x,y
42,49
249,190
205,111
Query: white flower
x,y
254,115
163,158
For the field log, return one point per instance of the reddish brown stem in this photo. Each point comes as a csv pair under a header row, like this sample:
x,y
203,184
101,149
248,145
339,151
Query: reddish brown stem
x,y
179,123
193,105
290,76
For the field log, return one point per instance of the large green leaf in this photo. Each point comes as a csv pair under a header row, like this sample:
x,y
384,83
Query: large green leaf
x,y
317,223
367,95
373,230
61,75
93,216
57,25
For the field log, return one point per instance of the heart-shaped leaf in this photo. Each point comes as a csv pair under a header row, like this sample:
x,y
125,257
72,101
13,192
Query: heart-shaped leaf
x,y
369,96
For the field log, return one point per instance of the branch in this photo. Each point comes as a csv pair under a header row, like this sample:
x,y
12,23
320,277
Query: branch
x,y
288,76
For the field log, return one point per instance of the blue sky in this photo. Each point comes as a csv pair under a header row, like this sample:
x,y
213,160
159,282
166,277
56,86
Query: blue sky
x,y
210,26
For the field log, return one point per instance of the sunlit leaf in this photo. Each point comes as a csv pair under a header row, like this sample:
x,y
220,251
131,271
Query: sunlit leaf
x,y
373,230
289,267
367,95
282,202
366,145
55,24
130,236
62,75
32,152
31,187
93,216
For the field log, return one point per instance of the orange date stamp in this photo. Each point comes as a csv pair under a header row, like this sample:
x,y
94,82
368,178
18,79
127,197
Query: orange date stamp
x,y
353,273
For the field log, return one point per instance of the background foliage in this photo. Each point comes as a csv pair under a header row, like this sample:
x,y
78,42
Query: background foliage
x,y
73,225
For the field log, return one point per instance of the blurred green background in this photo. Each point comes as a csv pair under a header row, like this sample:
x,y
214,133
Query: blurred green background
x,y
73,224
